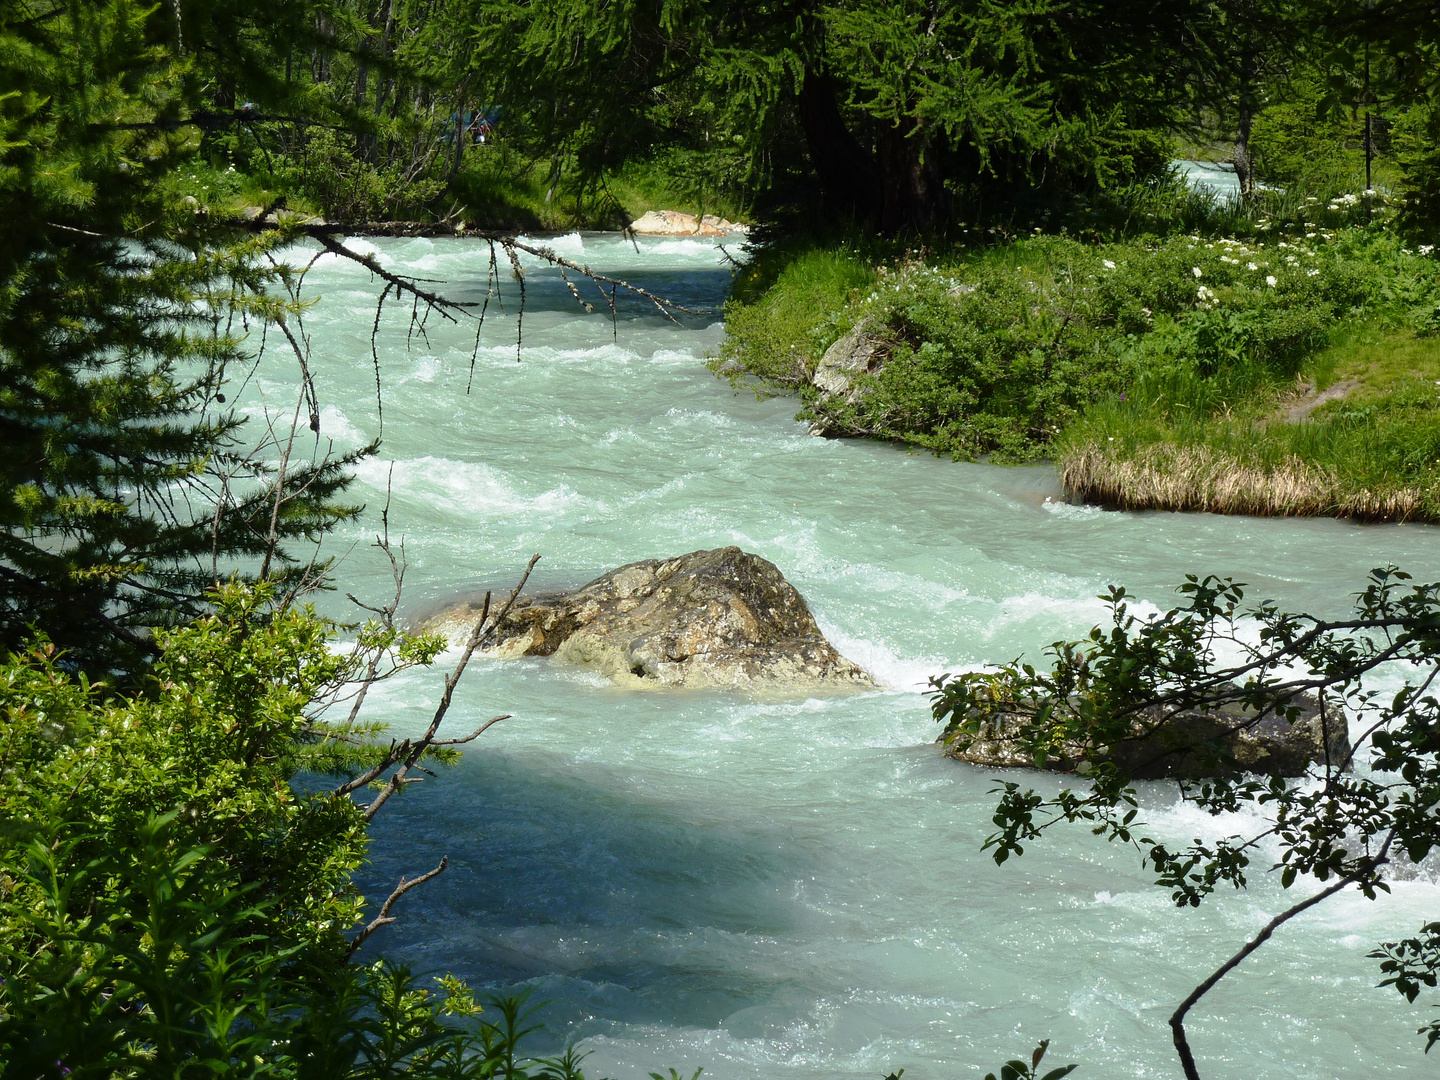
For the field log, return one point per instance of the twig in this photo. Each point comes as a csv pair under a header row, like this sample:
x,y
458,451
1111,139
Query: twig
x,y
385,918
398,282
483,628
1177,1021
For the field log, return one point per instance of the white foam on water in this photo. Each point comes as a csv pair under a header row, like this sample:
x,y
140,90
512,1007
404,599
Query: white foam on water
x,y
686,417
424,369
1066,510
357,245
908,675
1033,606
609,354
416,247
705,250
334,424
467,486
675,357
569,246
656,494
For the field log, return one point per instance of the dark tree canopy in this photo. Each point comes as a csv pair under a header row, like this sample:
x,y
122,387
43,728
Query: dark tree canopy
x,y
908,112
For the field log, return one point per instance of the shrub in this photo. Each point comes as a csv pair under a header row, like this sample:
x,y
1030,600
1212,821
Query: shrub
x,y
998,350
173,906
787,308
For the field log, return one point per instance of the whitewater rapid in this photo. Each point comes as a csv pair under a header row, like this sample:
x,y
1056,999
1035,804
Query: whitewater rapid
x,y
755,887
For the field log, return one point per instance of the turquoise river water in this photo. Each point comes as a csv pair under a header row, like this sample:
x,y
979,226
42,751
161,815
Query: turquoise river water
x,y
792,887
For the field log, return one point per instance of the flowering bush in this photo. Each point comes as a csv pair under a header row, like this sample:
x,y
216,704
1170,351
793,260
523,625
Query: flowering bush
x,y
998,354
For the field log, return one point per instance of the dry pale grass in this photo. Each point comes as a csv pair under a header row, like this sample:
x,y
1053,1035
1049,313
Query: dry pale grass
x,y
1197,478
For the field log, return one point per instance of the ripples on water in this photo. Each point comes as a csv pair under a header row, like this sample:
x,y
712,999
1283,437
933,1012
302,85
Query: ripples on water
x,y
706,880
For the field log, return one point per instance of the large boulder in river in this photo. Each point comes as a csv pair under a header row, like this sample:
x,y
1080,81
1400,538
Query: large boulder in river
x,y
1188,746
722,618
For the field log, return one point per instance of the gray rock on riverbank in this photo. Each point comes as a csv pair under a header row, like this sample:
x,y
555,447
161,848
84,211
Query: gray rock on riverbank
x,y
860,352
709,619
1182,748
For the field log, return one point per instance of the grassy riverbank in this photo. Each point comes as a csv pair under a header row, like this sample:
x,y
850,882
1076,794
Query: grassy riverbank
x,y
1286,365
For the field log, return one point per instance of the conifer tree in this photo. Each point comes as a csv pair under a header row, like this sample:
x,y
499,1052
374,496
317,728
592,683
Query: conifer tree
x,y
902,105
125,487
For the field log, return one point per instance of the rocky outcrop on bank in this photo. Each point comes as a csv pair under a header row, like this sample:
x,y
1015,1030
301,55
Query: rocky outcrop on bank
x,y
710,619
674,223
1189,746
863,351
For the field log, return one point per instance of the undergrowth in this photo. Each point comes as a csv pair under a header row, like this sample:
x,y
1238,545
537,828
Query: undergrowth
x,y
1178,371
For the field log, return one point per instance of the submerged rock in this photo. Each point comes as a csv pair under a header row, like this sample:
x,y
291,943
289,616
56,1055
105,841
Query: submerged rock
x,y
860,352
722,618
1185,748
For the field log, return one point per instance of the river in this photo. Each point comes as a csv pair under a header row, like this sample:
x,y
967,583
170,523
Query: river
x,y
796,887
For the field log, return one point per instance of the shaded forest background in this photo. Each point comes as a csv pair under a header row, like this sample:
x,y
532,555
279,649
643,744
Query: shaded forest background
x,y
904,115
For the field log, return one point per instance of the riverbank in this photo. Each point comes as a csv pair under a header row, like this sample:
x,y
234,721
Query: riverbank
x,y
1289,368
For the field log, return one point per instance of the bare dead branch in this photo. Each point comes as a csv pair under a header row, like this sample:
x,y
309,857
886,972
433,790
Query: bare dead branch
x,y
399,282
375,353
385,918
485,626
474,734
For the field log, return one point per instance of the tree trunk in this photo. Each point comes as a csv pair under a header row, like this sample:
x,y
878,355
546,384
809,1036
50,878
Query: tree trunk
x,y
911,192
847,172
1245,110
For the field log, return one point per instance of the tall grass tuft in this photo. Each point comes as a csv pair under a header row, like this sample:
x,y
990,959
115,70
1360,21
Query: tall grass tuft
x,y
1205,479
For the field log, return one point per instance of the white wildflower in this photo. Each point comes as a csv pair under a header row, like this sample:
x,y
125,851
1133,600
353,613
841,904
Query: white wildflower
x,y
1107,264
1426,249
1197,271
1270,280
1251,266
1312,273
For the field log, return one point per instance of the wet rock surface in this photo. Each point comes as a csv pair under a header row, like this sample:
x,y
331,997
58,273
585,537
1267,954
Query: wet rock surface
x,y
1189,746
709,619
675,223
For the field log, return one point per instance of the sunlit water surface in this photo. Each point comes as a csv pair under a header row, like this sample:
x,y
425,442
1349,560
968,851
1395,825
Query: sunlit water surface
x,y
791,887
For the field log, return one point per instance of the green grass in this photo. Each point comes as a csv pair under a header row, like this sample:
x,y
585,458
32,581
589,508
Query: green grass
x,y
786,309
1372,454
1178,371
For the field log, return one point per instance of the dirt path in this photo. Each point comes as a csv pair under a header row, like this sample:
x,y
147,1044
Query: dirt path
x,y
1310,400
